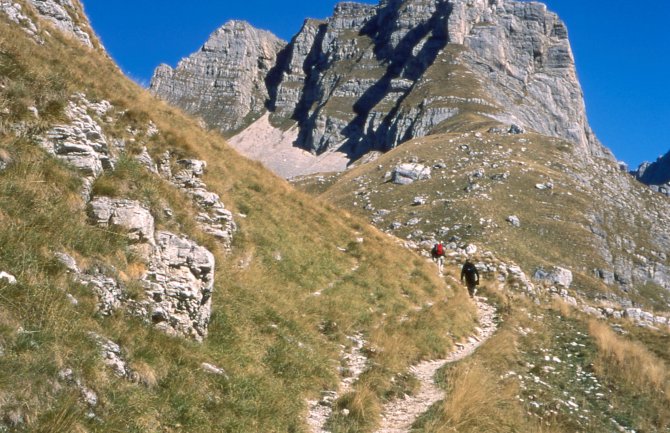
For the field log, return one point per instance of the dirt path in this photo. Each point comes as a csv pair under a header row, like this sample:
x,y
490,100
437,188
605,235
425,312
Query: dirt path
x,y
355,361
399,415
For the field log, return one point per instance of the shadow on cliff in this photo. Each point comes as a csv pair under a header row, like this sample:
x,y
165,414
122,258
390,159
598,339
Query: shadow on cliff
x,y
402,61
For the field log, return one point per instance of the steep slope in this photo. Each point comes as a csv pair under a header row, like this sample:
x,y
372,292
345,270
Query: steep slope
x,y
372,77
573,241
224,82
153,280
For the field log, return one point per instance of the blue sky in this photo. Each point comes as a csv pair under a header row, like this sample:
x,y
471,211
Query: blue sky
x,y
622,50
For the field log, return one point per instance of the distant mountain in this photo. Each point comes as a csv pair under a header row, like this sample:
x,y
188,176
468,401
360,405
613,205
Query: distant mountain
x,y
372,77
224,82
655,174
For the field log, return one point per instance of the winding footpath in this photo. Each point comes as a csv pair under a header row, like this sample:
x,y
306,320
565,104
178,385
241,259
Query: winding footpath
x,y
399,415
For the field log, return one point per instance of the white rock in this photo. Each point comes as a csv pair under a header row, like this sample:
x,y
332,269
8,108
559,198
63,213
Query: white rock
x,y
556,275
7,278
514,220
68,261
405,174
213,369
127,214
179,286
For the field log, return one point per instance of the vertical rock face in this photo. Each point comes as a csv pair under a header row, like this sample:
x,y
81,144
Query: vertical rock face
x,y
371,77
224,82
656,174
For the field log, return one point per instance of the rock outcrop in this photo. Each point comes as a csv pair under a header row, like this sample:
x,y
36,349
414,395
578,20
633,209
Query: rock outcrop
x,y
66,15
82,143
127,214
224,82
180,279
372,77
655,174
214,219
179,286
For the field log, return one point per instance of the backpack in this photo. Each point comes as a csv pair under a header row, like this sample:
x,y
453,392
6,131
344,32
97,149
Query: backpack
x,y
438,250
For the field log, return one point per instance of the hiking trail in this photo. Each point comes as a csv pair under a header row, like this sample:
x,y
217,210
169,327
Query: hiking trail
x,y
399,415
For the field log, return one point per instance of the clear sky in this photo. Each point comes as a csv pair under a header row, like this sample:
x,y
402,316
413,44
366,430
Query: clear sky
x,y
622,50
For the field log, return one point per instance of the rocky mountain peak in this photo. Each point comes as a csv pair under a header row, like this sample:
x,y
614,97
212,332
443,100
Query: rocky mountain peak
x,y
224,82
655,174
372,77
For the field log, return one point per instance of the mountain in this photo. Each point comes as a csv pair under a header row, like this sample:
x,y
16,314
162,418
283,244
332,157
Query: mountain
x,y
372,77
223,83
655,174
152,279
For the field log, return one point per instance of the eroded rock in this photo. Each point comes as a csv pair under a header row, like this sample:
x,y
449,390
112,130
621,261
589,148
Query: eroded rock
x,y
129,215
556,275
81,143
179,286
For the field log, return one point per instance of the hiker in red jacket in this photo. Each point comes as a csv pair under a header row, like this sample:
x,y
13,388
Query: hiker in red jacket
x,y
438,256
470,274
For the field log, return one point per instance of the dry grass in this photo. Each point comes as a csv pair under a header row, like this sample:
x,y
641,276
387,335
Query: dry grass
x,y
265,327
629,361
476,402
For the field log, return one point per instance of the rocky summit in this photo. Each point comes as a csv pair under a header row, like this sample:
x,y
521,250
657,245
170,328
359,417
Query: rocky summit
x,y
655,174
224,82
372,77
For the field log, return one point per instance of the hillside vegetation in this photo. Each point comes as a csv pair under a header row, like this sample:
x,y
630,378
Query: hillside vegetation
x,y
302,276
314,309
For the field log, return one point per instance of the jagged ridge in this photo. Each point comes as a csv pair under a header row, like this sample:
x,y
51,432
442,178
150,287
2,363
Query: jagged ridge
x,y
372,77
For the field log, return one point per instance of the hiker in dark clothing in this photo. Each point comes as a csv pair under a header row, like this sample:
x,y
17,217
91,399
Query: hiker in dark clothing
x,y
471,276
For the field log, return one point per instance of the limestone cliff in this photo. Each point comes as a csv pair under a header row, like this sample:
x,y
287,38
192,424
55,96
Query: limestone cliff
x,y
372,77
655,174
224,82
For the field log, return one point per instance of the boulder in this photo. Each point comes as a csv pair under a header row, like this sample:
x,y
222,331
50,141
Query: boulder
x,y
405,174
556,275
129,215
514,221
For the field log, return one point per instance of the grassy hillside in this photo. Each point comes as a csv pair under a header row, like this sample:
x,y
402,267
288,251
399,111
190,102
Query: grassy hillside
x,y
574,213
305,277
301,278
